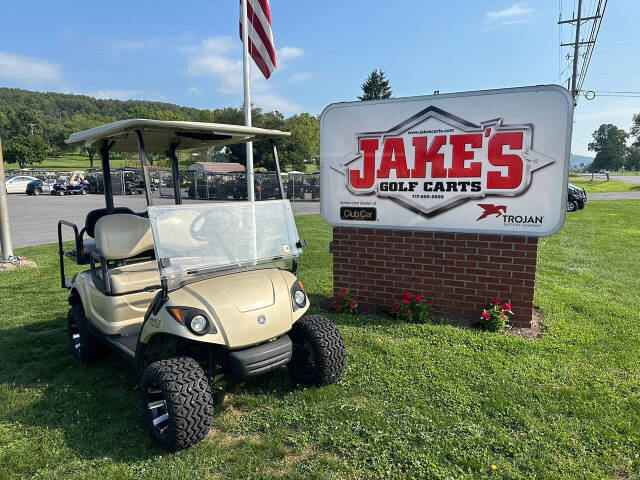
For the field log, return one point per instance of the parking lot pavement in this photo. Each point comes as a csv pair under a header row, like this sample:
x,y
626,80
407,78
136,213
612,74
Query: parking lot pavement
x,y
34,220
613,176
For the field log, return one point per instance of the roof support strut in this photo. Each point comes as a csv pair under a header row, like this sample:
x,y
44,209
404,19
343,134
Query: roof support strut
x,y
175,172
143,163
277,162
106,174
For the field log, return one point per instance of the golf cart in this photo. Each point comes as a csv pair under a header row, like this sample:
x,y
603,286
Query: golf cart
x,y
75,185
189,292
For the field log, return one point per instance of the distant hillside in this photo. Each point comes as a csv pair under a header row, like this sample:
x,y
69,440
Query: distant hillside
x,y
576,160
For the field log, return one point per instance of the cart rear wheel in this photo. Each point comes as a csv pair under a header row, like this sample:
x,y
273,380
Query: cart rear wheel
x,y
572,206
36,191
318,351
176,402
84,347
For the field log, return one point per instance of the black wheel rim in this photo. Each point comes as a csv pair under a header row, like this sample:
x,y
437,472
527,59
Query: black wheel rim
x,y
157,406
75,338
304,356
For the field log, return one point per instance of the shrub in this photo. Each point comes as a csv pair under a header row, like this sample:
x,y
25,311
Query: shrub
x,y
495,317
414,309
346,302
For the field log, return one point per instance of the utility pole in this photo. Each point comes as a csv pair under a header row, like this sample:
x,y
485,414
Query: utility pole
x,y
5,232
577,43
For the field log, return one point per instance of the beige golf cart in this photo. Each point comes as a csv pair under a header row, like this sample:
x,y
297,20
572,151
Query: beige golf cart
x,y
188,292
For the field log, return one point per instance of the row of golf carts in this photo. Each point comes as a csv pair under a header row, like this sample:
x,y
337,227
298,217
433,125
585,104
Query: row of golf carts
x,y
190,292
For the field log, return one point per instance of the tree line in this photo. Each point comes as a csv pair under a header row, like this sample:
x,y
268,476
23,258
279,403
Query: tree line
x,y
611,146
34,125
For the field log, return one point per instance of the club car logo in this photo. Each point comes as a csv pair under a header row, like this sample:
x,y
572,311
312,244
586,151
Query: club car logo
x,y
262,319
434,161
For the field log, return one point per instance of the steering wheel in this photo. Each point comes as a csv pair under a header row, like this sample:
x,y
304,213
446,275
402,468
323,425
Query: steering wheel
x,y
202,229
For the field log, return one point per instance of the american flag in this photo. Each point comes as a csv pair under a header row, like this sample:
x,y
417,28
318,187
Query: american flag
x,y
260,37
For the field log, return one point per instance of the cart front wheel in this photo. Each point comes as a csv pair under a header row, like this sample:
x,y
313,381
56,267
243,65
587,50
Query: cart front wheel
x,y
318,351
176,402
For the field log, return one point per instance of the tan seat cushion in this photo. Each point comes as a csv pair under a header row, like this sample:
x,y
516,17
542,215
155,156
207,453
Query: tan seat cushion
x,y
136,276
122,235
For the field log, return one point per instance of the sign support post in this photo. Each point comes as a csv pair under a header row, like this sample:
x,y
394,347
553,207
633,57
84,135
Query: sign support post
x,y
5,231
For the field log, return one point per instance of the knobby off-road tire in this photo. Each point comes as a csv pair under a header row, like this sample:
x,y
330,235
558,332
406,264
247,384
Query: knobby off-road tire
x,y
318,351
176,396
84,347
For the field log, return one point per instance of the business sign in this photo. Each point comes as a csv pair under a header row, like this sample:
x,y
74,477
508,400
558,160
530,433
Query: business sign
x,y
491,161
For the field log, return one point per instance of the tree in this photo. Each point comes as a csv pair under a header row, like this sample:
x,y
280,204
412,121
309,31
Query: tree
x,y
610,143
26,150
376,86
304,142
635,129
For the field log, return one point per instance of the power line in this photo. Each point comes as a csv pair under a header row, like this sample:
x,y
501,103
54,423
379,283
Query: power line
x,y
594,14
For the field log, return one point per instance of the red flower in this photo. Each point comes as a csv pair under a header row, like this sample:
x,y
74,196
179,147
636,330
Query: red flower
x,y
395,307
418,298
409,312
339,309
404,300
507,305
352,304
502,313
344,291
406,294
495,300
485,315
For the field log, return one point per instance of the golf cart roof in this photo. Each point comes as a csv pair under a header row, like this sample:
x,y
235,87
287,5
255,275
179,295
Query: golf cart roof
x,y
159,135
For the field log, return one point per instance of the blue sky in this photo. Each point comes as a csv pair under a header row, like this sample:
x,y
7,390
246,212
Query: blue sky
x,y
189,52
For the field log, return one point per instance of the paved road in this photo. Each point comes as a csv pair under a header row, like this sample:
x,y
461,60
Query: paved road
x,y
613,196
34,220
621,178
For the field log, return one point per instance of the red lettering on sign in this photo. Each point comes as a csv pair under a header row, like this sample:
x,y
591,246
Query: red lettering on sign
x,y
393,157
368,146
433,155
497,158
460,154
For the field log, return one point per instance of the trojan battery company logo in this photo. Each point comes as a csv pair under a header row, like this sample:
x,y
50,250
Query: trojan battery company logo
x,y
434,161
491,209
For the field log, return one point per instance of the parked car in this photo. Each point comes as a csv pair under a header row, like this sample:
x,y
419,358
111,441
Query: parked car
x,y
577,197
36,187
66,188
18,184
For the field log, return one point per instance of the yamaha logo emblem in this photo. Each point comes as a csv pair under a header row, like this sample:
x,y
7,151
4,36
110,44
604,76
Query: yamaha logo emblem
x,y
262,319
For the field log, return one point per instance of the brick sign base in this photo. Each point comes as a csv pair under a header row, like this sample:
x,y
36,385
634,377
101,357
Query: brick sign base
x,y
456,272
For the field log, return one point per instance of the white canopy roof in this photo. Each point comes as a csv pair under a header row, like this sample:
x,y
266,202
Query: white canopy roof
x,y
158,135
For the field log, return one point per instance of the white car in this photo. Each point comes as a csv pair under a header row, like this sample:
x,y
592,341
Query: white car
x,y
18,184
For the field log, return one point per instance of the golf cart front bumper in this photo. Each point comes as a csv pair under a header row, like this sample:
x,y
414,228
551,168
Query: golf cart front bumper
x,y
261,358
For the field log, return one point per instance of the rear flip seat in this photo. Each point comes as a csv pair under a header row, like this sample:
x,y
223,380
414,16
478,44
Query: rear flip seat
x,y
135,277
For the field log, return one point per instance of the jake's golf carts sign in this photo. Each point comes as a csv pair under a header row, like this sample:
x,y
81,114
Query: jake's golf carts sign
x,y
492,161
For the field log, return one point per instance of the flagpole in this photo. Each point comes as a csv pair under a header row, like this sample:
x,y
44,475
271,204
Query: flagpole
x,y
246,72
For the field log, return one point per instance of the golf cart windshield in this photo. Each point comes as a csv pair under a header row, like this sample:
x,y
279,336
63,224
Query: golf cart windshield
x,y
192,240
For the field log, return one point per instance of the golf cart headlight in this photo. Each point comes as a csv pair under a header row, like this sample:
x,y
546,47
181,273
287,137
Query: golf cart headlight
x,y
198,324
300,298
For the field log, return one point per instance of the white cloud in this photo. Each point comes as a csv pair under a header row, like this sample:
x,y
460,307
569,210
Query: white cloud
x,y
515,10
516,14
288,53
300,77
221,58
27,69
194,91
273,101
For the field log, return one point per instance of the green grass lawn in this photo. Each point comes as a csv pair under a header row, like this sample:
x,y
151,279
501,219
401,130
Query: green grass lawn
x,y
602,186
415,401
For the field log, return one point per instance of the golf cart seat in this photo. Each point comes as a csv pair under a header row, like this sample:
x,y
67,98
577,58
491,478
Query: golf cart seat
x,y
118,238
